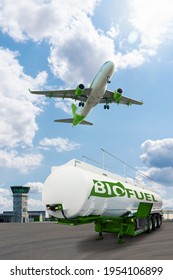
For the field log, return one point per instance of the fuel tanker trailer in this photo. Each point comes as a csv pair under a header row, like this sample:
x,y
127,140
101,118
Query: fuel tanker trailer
x,y
78,193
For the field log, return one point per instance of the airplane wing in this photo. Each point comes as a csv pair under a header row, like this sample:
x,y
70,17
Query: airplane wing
x,y
66,93
109,98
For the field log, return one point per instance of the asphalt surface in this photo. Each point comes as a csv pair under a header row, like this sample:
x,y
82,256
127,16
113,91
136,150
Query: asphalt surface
x,y
49,241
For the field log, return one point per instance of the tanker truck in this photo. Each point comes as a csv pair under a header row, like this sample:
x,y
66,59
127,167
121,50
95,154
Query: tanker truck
x,y
78,193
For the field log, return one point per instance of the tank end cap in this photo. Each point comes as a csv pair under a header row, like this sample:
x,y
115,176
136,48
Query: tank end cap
x,y
55,207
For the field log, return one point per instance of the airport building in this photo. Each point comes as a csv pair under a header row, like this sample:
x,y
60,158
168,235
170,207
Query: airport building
x,y
168,215
20,213
20,204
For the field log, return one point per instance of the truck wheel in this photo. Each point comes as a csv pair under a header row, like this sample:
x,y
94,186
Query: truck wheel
x,y
150,225
154,222
159,220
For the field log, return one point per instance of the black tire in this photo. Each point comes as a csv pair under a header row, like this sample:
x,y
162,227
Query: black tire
x,y
154,222
159,220
150,224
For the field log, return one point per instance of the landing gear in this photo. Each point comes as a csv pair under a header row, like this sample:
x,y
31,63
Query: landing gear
x,y
106,107
108,79
81,104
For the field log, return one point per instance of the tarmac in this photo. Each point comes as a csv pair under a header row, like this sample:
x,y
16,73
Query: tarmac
x,y
50,241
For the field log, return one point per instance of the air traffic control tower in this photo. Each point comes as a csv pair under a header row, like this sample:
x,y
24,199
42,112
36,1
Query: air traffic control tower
x,y
20,204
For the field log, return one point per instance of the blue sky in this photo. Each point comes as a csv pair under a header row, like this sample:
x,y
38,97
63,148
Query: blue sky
x,y
54,44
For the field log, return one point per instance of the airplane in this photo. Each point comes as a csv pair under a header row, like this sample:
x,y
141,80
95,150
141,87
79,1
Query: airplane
x,y
91,96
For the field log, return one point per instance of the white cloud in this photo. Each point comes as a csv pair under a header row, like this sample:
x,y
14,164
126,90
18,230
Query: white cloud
x,y
73,55
77,47
35,187
37,20
113,32
158,153
18,107
5,204
132,59
4,192
35,204
59,144
5,200
76,57
153,19
23,163
64,105
158,159
168,203
132,38
162,175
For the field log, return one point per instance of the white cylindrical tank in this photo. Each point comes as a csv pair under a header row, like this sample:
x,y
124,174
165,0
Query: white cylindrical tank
x,y
85,190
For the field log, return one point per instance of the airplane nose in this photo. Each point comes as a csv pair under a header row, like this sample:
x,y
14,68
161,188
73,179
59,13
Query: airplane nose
x,y
112,66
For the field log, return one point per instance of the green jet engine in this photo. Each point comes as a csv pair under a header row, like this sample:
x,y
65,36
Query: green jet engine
x,y
118,95
79,90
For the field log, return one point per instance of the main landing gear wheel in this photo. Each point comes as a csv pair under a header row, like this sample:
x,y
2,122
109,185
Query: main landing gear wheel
x,y
106,107
81,104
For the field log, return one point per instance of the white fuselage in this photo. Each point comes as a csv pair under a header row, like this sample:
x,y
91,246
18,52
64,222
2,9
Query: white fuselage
x,y
98,87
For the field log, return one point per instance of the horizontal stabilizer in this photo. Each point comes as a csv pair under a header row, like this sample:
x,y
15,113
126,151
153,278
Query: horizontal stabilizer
x,y
71,121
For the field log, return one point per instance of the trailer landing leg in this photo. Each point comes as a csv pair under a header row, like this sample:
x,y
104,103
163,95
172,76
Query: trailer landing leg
x,y
100,237
120,239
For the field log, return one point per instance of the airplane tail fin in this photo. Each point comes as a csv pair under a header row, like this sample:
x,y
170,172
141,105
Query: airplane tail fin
x,y
74,109
79,118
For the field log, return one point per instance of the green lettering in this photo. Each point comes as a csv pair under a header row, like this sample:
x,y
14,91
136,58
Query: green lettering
x,y
153,198
99,187
129,192
108,187
139,196
120,190
148,196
